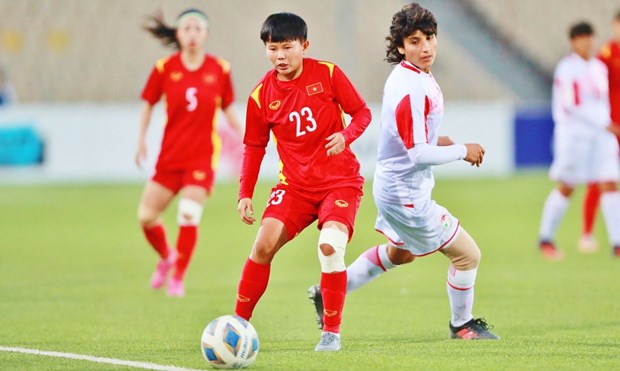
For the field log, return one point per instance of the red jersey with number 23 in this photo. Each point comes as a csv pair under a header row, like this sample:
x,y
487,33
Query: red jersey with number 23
x,y
190,139
301,114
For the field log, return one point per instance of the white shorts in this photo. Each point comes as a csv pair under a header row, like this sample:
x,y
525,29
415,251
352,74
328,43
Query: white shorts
x,y
579,160
420,231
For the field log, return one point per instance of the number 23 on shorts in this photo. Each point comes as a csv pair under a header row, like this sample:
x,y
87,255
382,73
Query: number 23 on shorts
x,y
276,197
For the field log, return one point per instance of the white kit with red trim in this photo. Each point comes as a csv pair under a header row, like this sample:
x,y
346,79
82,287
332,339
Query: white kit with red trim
x,y
583,149
410,118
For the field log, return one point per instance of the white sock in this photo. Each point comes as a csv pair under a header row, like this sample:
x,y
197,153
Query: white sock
x,y
368,266
461,293
554,210
610,204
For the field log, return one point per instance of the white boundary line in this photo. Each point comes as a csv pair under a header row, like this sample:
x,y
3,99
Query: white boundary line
x,y
111,361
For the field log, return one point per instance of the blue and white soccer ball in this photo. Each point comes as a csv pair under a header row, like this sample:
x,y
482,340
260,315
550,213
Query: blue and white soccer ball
x,y
229,342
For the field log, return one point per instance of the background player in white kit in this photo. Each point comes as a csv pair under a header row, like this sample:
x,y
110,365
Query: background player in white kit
x,y
409,145
585,150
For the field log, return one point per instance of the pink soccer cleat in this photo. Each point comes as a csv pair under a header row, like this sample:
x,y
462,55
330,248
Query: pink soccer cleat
x,y
161,271
176,288
549,251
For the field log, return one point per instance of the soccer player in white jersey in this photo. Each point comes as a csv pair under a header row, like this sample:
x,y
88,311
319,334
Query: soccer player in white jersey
x,y
585,150
409,145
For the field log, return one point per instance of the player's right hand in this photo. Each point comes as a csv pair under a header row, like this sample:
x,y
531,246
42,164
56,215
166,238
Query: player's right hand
x,y
475,154
140,154
245,210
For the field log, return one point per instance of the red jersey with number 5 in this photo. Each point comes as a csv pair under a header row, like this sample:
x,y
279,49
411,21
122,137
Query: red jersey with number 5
x,y
190,140
301,114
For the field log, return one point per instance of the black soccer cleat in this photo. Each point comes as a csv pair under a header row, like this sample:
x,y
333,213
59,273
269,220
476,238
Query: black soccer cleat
x,y
314,294
475,329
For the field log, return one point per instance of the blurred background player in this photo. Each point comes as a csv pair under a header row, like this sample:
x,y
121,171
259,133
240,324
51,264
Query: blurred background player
x,y
409,145
610,55
196,85
8,95
302,101
585,150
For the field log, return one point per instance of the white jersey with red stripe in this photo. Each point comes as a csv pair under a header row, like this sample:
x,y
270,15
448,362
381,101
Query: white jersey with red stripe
x,y
580,97
410,115
583,149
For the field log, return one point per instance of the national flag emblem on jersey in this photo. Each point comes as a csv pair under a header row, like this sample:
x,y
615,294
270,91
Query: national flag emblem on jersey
x,y
315,88
209,79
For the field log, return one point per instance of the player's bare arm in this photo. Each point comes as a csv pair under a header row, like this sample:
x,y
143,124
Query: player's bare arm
x,y
246,211
445,141
233,121
475,154
145,119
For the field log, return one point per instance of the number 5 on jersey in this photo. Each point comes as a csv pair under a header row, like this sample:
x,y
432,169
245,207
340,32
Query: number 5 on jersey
x,y
276,197
297,116
192,101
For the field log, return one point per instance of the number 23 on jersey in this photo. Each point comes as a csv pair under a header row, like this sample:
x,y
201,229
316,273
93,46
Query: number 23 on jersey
x,y
304,122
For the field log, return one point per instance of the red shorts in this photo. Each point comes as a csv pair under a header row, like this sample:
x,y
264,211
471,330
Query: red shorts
x,y
298,209
175,180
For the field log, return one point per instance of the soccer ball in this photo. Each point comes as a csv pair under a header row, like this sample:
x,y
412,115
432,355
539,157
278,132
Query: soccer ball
x,y
229,342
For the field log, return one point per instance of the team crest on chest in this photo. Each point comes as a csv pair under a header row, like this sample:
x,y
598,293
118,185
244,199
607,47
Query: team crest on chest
x,y
315,88
274,105
176,76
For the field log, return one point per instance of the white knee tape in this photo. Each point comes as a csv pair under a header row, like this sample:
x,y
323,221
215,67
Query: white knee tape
x,y
190,212
338,240
462,280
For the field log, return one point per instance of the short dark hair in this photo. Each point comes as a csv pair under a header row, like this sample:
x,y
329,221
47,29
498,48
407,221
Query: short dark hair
x,y
406,22
617,16
281,27
582,28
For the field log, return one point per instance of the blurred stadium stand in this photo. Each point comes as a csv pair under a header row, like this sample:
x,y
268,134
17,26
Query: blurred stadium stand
x,y
77,62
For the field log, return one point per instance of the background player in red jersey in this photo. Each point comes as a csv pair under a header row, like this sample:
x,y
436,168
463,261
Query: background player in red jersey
x,y
195,85
301,102
610,55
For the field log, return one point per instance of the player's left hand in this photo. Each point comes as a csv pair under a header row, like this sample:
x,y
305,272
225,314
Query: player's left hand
x,y
336,144
444,141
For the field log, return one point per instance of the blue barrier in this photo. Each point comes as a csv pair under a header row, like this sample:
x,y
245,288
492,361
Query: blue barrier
x,y
533,128
20,145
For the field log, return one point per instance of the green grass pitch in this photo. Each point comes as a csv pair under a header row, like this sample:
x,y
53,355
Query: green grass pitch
x,y
74,277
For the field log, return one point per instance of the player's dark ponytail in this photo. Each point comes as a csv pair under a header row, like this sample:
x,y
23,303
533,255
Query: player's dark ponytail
x,y
156,26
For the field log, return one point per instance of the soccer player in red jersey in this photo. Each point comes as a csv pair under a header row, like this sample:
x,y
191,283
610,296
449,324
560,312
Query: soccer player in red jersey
x,y
195,86
301,102
610,55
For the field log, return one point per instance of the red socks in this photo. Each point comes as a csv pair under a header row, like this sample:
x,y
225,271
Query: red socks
x,y
334,290
590,206
252,286
156,236
186,242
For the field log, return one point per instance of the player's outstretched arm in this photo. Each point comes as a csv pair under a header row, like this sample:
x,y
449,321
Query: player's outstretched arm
x,y
145,119
246,211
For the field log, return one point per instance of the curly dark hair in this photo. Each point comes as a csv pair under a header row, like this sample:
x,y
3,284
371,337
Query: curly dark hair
x,y
406,22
